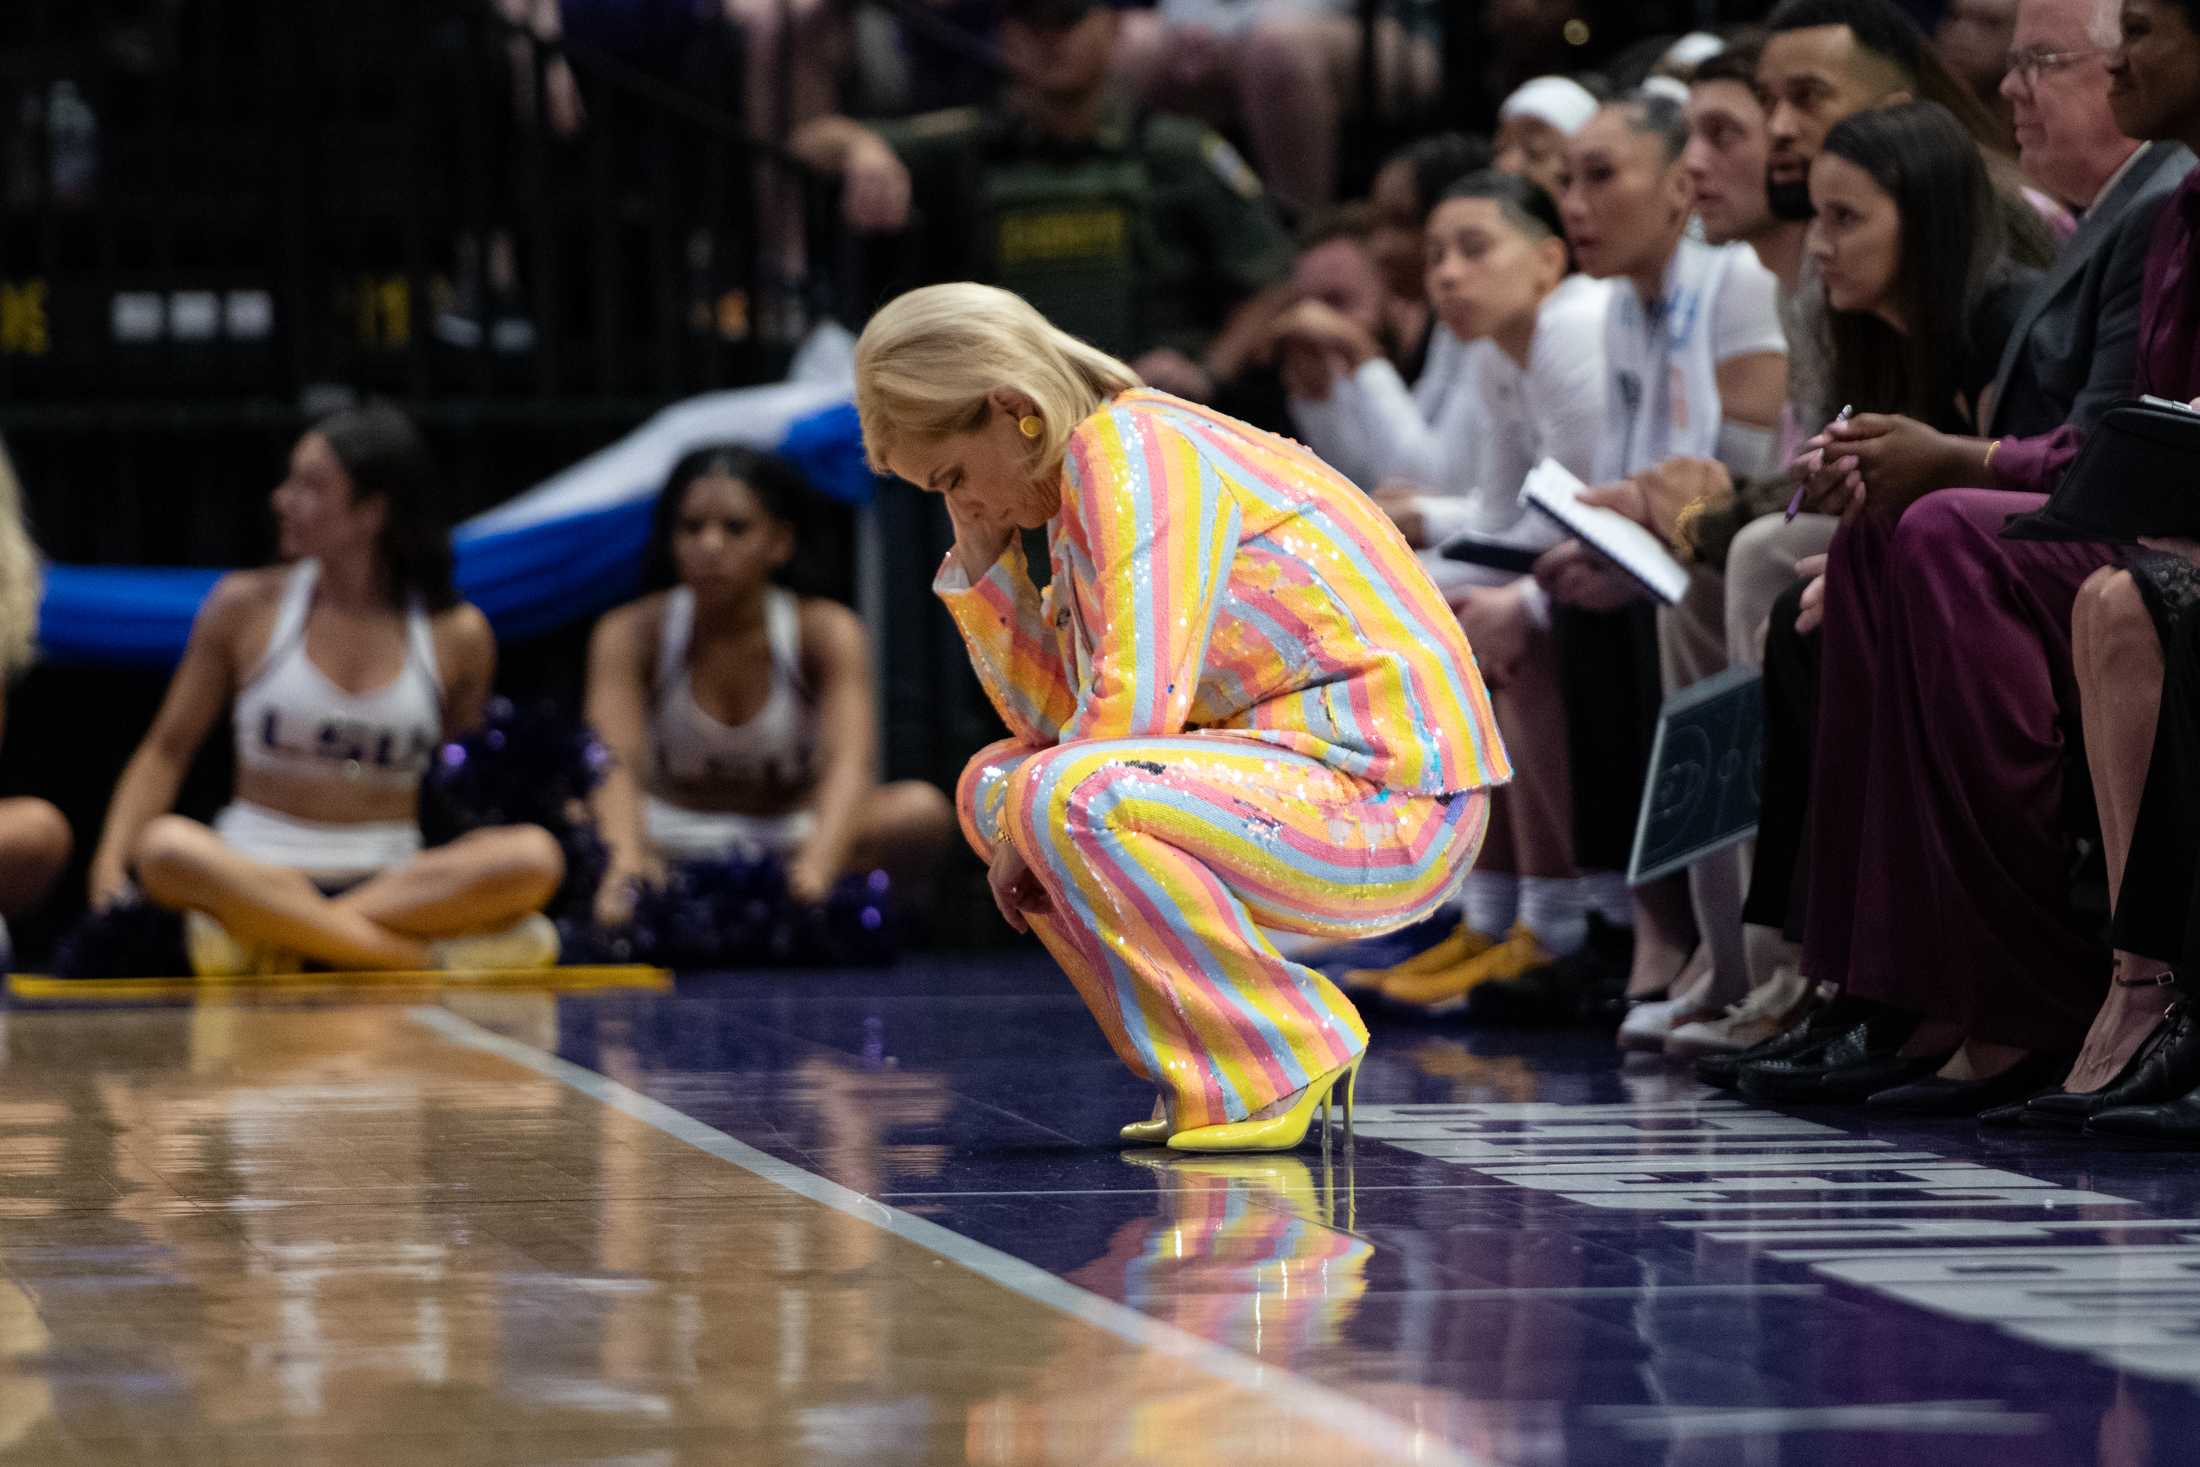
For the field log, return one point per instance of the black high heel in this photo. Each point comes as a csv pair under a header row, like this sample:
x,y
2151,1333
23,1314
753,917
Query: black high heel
x,y
2165,1067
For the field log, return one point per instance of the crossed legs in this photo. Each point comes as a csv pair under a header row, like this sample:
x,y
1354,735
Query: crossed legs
x,y
34,847
2119,665
479,882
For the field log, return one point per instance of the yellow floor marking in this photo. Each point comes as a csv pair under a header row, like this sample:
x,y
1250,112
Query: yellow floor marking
x,y
569,979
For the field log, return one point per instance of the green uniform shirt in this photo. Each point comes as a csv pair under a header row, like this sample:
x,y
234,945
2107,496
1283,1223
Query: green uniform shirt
x,y
1146,235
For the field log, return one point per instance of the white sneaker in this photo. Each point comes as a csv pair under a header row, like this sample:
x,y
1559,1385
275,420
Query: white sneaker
x,y
1759,1016
1647,1024
531,942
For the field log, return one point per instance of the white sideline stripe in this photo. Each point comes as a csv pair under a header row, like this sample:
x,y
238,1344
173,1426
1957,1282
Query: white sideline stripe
x,y
1292,1394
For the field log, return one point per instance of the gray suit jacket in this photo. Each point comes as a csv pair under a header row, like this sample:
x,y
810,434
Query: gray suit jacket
x,y
2075,347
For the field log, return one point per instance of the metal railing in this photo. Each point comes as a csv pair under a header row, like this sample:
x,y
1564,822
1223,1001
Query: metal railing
x,y
256,206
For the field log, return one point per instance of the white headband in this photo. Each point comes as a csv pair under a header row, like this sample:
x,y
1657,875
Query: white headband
x,y
1560,101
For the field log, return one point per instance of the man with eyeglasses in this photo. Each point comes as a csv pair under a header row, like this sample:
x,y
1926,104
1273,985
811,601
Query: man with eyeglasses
x,y
2072,352
1939,841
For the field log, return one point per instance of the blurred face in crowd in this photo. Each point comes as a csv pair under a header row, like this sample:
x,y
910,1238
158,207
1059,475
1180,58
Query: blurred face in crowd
x,y
1394,233
1856,238
2154,72
985,474
1974,40
1488,273
1812,79
2057,89
1061,62
1625,201
1341,274
1532,149
316,513
724,538
1725,159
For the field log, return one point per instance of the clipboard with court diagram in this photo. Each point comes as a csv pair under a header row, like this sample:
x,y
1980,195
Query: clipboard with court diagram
x,y
1706,775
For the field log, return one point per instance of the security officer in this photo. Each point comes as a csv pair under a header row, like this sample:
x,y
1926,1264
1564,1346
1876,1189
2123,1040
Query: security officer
x,y
1144,233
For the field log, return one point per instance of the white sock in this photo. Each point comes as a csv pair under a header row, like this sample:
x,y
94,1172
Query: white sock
x,y
1489,901
1610,897
1556,910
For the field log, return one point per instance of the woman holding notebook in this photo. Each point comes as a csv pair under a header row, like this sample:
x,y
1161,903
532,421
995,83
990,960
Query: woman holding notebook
x,y
1696,370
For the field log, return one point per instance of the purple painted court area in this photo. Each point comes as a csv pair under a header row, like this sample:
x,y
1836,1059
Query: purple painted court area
x,y
1532,1252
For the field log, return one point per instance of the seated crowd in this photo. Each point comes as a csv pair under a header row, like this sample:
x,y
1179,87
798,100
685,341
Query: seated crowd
x,y
1822,304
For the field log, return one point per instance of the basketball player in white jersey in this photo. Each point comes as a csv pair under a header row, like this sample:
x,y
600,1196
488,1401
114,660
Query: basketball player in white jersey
x,y
740,716
344,670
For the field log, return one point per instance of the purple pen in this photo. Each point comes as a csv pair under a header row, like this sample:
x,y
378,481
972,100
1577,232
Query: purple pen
x,y
1795,501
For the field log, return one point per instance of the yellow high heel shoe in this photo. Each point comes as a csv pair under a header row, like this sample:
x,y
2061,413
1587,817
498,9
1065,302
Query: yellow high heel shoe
x,y
1154,1132
1283,1132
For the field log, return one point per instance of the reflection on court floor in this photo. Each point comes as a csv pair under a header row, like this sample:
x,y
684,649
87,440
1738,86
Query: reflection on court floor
x,y
873,1217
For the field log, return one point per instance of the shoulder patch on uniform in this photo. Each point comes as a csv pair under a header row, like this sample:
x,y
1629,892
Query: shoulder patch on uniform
x,y
1230,166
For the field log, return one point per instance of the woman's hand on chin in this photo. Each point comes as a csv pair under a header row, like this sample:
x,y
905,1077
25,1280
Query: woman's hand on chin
x,y
980,539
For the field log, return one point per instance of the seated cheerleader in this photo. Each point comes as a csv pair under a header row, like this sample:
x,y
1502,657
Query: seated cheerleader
x,y
34,837
345,670
739,715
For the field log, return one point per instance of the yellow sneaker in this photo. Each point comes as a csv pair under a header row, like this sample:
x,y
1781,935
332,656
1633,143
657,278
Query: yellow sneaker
x,y
216,952
1446,989
531,942
1462,946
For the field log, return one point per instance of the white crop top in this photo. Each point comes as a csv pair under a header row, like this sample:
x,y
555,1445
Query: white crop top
x,y
290,717
768,760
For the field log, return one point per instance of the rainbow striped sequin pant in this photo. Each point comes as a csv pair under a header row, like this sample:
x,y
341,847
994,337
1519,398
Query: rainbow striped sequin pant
x,y
1164,857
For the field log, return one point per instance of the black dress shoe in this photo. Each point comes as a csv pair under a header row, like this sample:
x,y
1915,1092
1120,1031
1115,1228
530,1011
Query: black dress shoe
x,y
2169,1122
1818,1024
1572,990
2002,1117
1861,1060
1933,1096
2165,1066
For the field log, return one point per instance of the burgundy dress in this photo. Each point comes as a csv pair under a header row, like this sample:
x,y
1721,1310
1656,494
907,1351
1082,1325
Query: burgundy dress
x,y
2158,910
1943,815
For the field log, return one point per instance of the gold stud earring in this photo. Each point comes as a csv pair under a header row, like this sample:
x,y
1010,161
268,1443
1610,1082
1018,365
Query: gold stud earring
x,y
1030,426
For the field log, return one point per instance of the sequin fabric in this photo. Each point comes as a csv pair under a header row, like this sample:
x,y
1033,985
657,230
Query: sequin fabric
x,y
1240,703
1163,859
1208,575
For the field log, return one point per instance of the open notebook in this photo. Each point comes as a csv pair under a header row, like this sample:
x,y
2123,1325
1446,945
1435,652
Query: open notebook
x,y
1552,490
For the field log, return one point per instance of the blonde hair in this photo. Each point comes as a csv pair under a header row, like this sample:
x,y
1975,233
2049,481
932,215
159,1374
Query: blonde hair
x,y
928,360
22,582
